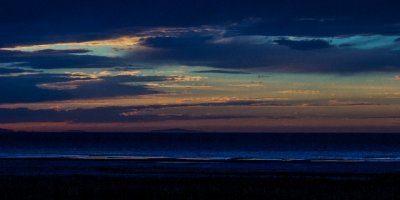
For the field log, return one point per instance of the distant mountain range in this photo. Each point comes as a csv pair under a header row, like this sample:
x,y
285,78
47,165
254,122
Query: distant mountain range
x,y
5,130
176,130
75,131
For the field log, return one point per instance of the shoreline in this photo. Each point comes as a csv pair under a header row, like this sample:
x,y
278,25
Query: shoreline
x,y
164,167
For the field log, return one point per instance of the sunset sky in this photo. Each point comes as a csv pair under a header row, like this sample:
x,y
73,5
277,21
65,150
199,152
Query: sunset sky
x,y
246,66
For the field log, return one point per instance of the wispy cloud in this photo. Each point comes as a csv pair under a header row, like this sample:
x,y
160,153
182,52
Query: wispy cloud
x,y
301,92
10,72
218,71
186,78
248,85
177,86
69,85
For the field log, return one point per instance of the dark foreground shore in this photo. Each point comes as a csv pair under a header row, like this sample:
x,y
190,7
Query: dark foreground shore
x,y
179,179
89,187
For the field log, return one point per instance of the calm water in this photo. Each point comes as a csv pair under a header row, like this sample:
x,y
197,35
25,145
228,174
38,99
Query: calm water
x,y
376,147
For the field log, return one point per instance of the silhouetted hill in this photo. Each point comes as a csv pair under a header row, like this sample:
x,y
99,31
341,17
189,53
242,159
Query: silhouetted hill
x,y
75,131
176,130
5,130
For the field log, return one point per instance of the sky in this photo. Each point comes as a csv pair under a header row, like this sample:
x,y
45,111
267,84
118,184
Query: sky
x,y
218,66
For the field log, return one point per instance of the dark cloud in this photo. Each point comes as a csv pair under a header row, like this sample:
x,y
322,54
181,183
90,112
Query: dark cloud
x,y
33,22
49,52
107,115
114,113
397,40
52,59
266,56
6,71
130,68
23,89
171,50
346,45
50,21
121,114
29,22
304,44
175,42
50,87
106,89
219,71
49,115
340,26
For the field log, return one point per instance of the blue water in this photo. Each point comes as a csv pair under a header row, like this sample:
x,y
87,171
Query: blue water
x,y
352,147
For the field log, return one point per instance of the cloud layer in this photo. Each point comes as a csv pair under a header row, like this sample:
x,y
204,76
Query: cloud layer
x,y
51,87
282,36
